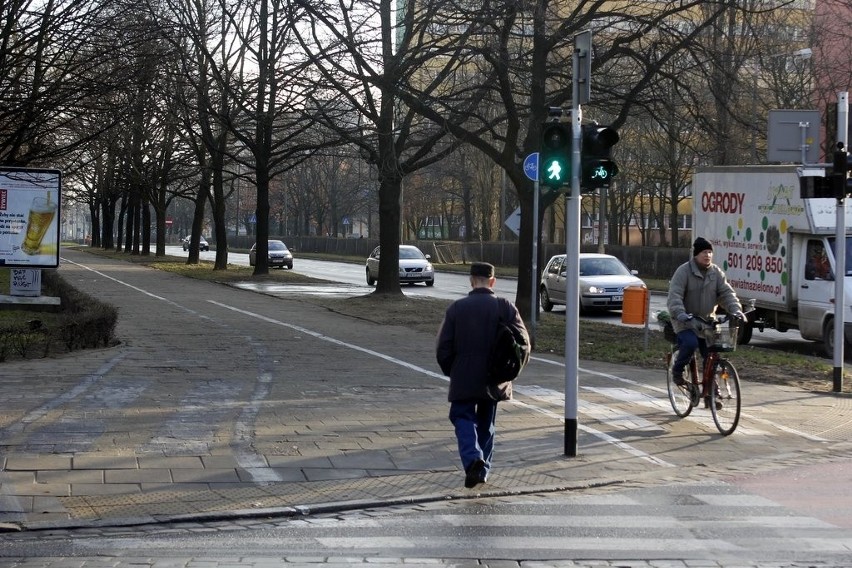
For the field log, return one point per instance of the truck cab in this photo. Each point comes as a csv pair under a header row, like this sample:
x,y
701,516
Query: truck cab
x,y
816,289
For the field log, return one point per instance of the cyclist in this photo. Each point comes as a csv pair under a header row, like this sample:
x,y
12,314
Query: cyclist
x,y
697,288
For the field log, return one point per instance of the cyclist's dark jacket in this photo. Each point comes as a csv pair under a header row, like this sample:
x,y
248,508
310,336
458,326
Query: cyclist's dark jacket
x,y
699,292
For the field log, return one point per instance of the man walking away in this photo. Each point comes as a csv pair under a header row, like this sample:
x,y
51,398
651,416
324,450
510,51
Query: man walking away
x,y
463,350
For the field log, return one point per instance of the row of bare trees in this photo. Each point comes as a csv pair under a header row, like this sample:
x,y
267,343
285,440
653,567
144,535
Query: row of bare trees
x,y
317,108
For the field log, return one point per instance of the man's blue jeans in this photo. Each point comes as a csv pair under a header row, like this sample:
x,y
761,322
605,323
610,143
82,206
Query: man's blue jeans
x,y
687,342
474,424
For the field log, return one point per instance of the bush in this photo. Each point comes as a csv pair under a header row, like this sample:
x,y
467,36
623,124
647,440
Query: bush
x,y
79,322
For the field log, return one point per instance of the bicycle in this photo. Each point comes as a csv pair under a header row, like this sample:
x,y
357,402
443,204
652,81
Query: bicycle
x,y
719,384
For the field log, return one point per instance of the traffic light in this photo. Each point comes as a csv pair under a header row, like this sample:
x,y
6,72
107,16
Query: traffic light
x,y
554,163
597,166
840,171
816,187
833,183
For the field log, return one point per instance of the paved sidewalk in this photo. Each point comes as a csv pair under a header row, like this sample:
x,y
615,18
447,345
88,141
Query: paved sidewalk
x,y
223,403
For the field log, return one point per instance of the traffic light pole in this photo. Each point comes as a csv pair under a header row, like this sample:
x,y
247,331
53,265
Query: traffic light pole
x,y
840,251
534,298
572,276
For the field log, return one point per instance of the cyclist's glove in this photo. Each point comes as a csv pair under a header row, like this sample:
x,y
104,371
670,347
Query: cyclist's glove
x,y
684,317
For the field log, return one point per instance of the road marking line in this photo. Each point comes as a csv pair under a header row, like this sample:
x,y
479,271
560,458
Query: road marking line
x,y
35,415
603,436
741,430
254,464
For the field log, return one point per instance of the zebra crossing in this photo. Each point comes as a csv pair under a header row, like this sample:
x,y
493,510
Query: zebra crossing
x,y
712,524
622,403
694,523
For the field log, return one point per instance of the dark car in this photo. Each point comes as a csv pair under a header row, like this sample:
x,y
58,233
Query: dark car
x,y
202,243
277,255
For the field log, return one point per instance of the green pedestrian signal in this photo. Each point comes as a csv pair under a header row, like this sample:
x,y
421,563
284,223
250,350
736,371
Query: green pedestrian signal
x,y
554,163
555,171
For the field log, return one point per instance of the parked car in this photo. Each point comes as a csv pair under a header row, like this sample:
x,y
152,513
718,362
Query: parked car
x,y
277,255
602,281
202,243
414,266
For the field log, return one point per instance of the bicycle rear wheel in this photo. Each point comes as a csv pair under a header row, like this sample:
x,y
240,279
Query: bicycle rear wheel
x,y
726,392
679,396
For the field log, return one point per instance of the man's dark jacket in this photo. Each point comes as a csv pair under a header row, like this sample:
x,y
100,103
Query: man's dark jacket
x,y
465,341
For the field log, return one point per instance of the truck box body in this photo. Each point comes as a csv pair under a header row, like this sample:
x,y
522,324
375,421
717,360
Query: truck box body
x,y
774,247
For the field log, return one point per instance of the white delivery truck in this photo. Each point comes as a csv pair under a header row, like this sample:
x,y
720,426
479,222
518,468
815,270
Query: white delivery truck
x,y
774,247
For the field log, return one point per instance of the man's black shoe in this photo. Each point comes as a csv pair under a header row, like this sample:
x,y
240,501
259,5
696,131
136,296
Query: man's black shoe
x,y
679,380
707,403
474,474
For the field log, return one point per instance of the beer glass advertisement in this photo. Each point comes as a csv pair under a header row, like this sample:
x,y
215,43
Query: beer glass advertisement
x,y
29,217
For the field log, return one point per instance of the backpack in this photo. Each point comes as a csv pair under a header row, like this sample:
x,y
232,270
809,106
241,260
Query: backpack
x,y
509,352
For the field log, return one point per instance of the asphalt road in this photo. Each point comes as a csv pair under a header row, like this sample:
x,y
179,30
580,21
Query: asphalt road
x,y
449,286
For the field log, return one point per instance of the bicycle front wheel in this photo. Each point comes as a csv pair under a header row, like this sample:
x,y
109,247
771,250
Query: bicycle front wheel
x,y
679,396
726,404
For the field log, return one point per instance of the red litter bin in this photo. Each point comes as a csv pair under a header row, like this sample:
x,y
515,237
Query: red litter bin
x,y
634,308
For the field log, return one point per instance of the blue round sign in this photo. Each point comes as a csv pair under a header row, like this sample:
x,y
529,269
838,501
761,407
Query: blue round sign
x,y
531,166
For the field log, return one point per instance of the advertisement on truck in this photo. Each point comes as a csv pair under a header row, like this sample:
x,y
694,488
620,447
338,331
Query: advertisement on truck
x,y
774,247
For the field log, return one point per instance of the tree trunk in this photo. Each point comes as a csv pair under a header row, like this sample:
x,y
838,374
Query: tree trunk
x,y
198,213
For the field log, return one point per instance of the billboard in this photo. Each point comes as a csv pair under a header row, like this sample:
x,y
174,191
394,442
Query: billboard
x,y
29,217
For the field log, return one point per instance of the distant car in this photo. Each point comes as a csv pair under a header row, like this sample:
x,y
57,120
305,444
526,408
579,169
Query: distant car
x,y
602,281
202,243
277,255
414,266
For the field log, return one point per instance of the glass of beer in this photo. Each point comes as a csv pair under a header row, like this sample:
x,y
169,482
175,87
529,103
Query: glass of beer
x,y
42,212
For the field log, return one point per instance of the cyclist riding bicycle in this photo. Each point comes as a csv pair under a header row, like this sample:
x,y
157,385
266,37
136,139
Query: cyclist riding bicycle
x,y
697,288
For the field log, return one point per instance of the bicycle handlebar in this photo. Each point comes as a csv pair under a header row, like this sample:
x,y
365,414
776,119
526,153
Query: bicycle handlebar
x,y
718,319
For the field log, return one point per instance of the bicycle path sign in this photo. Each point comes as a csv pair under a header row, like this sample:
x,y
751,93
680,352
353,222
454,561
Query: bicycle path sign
x,y
531,166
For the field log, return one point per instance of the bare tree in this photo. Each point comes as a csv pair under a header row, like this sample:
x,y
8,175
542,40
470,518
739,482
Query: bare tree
x,y
51,76
521,51
832,66
363,53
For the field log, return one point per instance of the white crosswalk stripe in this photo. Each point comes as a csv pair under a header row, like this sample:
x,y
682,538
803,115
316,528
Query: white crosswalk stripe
x,y
608,412
711,524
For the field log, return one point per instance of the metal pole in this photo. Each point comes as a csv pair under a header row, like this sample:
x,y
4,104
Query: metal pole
x,y
602,228
840,252
503,205
533,276
572,274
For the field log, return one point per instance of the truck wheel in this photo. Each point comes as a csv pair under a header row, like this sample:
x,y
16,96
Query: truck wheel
x,y
744,334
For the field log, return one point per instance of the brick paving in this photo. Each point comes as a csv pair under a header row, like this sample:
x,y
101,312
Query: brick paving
x,y
221,403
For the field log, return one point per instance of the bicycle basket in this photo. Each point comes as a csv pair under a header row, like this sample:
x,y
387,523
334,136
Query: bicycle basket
x,y
722,338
